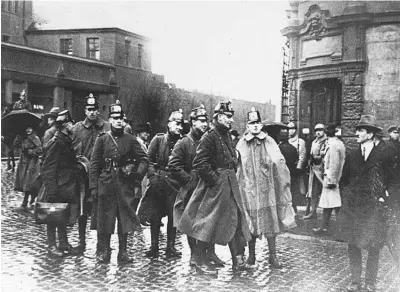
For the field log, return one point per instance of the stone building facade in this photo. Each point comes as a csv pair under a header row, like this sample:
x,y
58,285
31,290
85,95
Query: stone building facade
x,y
344,61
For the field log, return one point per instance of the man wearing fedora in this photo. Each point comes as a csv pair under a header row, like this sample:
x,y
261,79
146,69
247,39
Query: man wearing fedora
x,y
84,135
51,117
361,221
162,188
215,213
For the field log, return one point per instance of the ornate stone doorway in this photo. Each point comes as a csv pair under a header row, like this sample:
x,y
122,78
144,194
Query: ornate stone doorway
x,y
320,102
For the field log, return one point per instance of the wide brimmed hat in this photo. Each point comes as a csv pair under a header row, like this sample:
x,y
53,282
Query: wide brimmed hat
x,y
53,113
143,127
369,122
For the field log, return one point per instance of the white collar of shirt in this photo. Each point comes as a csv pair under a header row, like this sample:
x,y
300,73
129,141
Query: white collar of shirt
x,y
366,148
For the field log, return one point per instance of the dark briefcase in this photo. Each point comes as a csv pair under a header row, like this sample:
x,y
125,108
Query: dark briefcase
x,y
56,213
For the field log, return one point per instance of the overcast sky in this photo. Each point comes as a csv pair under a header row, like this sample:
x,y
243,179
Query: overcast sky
x,y
228,48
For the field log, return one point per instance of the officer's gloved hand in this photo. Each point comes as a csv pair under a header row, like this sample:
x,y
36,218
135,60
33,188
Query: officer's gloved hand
x,y
94,195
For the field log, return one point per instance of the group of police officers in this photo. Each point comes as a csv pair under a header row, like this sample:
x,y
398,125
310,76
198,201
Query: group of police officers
x,y
208,189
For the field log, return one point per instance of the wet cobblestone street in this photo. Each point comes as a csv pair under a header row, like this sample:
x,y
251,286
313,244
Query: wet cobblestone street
x,y
310,263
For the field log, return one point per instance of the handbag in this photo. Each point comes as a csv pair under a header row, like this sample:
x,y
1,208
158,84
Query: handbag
x,y
52,213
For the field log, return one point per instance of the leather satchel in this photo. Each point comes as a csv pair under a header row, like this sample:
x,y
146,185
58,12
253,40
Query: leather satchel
x,y
52,213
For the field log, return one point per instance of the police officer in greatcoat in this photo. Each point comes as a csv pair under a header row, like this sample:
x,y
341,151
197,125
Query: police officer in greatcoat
x,y
116,162
162,188
181,165
84,135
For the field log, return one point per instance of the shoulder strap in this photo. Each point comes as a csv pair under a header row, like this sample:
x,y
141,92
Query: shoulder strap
x,y
115,142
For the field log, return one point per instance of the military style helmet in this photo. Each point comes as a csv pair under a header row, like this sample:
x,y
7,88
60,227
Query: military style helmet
x,y
176,116
198,113
253,116
91,102
223,108
115,110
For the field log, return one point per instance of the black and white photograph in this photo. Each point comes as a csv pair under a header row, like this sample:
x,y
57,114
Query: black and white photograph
x,y
211,146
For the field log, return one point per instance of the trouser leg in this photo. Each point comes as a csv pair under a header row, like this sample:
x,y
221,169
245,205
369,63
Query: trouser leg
x,y
171,235
154,233
272,253
25,200
252,250
212,256
355,261
82,223
372,267
51,234
326,217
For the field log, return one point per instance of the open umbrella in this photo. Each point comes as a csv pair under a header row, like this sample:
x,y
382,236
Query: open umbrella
x,y
18,120
273,129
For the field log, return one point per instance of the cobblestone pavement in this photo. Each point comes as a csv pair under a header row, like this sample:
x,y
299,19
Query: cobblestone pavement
x,y
310,264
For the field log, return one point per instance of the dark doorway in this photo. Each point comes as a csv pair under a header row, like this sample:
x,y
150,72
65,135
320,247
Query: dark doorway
x,y
320,102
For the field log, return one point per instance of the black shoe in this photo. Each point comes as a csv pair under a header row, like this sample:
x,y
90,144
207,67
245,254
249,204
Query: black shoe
x,y
152,252
320,231
369,288
251,260
69,249
192,263
171,252
214,259
124,258
274,263
104,257
81,246
242,267
310,216
54,251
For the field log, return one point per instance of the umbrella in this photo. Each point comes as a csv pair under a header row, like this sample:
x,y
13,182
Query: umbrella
x,y
269,124
18,120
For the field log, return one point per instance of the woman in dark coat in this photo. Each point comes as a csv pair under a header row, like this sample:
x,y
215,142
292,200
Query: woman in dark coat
x,y
29,166
361,221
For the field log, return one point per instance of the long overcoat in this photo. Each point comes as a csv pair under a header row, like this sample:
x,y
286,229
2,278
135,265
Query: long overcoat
x,y
115,191
59,173
215,211
29,164
161,188
361,220
181,166
333,166
264,183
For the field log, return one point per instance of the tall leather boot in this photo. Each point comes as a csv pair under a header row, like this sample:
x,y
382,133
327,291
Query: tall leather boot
x,y
252,251
273,261
192,245
104,249
51,241
63,241
171,251
154,232
199,260
25,200
82,222
123,256
238,263
212,257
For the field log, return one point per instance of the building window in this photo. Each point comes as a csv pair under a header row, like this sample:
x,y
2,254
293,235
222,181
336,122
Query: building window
x,y
5,38
66,46
16,6
127,49
9,3
3,5
140,56
93,48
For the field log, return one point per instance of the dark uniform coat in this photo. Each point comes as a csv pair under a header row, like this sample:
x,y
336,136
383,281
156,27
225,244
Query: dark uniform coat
x,y
361,220
29,164
50,132
213,212
161,188
59,171
181,166
115,191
